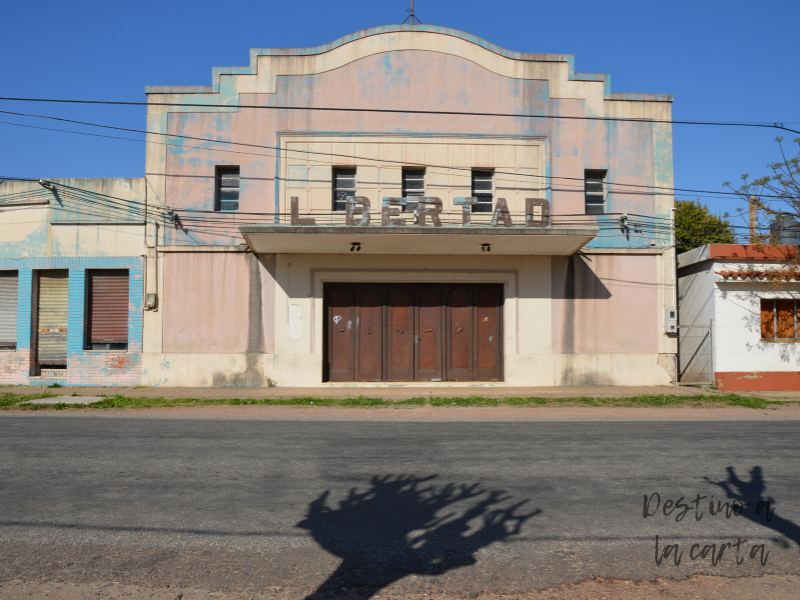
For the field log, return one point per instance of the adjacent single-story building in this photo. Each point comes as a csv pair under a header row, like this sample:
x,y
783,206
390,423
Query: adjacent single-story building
x,y
739,328
71,281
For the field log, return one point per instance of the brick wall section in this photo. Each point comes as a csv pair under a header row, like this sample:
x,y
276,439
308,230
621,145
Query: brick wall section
x,y
84,367
15,367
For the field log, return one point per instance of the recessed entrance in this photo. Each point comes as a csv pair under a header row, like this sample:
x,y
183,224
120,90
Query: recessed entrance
x,y
413,332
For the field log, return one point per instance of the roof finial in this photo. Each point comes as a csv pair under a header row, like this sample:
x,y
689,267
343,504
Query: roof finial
x,y
411,16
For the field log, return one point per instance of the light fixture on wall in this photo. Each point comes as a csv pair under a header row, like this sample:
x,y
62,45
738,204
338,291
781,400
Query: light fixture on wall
x,y
355,247
45,184
486,247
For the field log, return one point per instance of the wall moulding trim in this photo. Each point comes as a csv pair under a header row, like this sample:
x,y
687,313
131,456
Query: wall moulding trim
x,y
650,251
142,223
201,249
72,262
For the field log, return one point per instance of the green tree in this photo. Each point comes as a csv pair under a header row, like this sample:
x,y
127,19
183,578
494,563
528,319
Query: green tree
x,y
695,226
773,200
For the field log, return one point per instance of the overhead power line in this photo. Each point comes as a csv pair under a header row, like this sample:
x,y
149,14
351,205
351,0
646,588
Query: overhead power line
x,y
772,125
330,154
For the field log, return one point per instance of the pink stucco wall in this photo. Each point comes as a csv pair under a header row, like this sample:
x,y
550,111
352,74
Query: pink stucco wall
x,y
605,303
218,302
410,79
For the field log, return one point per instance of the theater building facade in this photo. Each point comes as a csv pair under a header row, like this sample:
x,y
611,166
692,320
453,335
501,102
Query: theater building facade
x,y
406,205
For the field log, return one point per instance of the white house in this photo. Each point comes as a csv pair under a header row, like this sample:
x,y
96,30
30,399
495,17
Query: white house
x,y
738,329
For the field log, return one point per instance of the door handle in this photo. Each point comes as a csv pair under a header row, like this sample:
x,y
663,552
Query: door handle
x,y
416,339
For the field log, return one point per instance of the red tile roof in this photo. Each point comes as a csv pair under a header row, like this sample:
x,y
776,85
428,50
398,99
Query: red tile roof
x,y
741,275
748,275
745,251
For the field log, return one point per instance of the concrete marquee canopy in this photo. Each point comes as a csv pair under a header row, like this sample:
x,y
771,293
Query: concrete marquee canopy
x,y
287,239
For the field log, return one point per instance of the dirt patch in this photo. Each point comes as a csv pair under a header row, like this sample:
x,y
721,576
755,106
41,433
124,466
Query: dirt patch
x,y
767,587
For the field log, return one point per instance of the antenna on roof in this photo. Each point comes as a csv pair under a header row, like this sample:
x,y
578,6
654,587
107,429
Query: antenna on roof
x,y
411,15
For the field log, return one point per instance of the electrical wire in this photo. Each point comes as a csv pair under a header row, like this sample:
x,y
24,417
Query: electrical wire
x,y
331,154
772,125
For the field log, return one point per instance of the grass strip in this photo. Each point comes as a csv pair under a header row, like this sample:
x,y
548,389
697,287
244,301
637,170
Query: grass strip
x,y
9,400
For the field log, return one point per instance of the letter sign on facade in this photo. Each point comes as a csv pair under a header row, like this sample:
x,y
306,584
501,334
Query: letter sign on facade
x,y
357,206
532,219
389,209
296,220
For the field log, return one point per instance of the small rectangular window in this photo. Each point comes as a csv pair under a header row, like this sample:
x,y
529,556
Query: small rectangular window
x,y
413,185
107,303
483,190
595,192
227,192
344,186
778,319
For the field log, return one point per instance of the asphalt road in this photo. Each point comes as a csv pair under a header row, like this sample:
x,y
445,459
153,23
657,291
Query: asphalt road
x,y
250,505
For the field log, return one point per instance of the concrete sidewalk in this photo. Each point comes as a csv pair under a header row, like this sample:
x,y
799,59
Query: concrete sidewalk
x,y
390,392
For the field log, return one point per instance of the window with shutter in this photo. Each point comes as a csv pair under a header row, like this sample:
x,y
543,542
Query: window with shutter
x,y
344,186
483,190
595,192
779,320
413,186
227,189
8,309
108,310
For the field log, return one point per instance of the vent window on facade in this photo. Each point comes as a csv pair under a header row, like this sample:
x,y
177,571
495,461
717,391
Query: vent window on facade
x,y
107,299
778,319
227,189
344,186
8,310
413,186
595,192
483,190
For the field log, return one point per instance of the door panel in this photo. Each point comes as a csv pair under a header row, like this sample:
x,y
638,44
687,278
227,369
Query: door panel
x,y
400,333
488,329
428,334
406,332
340,333
52,318
369,333
460,330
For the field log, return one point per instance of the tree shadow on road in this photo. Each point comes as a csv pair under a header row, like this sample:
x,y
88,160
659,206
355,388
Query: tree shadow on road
x,y
404,525
758,507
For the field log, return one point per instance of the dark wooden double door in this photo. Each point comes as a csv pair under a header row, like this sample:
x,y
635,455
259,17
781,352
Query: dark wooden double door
x,y
411,332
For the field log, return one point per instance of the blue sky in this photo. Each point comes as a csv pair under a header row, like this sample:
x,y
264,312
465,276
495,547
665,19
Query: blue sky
x,y
721,60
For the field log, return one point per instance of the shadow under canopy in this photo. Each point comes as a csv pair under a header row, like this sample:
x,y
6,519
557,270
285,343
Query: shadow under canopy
x,y
404,525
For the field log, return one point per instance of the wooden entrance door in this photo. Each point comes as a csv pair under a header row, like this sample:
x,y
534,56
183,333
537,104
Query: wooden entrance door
x,y
413,332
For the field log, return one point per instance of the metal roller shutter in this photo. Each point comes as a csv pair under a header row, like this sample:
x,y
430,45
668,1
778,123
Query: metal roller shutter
x,y
9,281
108,322
53,305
